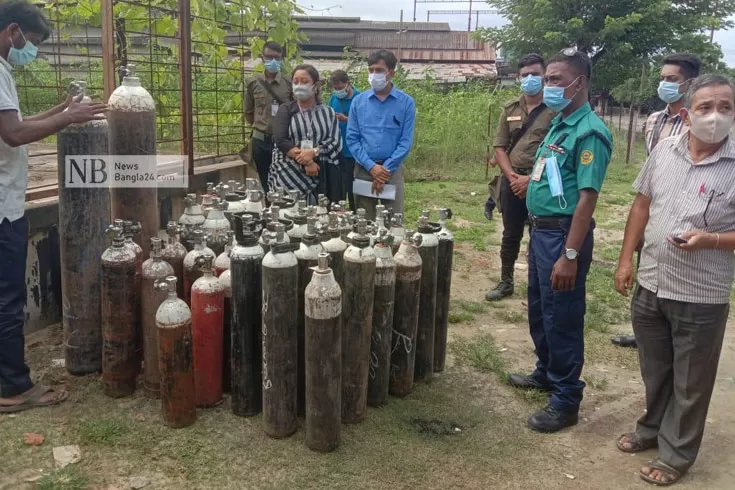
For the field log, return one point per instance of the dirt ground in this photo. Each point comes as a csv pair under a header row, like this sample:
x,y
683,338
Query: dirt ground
x,y
465,429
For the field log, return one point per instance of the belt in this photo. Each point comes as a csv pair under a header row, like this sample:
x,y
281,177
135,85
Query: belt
x,y
522,171
550,222
259,135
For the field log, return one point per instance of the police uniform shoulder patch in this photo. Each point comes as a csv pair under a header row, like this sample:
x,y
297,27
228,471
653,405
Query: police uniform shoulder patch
x,y
586,157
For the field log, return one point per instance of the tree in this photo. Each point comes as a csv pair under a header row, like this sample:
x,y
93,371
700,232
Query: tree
x,y
618,35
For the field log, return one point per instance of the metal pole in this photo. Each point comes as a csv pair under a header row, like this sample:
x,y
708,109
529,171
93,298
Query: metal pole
x,y
400,38
414,10
477,19
187,119
469,18
428,13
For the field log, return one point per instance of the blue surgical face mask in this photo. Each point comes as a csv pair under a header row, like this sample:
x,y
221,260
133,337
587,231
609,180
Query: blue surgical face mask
x,y
273,66
532,84
24,55
341,94
553,175
554,97
378,81
669,92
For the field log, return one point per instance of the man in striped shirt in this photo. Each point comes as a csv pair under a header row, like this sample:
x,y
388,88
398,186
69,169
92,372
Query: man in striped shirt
x,y
676,74
686,207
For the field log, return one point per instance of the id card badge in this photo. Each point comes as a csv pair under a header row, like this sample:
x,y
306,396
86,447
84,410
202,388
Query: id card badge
x,y
307,145
538,169
274,109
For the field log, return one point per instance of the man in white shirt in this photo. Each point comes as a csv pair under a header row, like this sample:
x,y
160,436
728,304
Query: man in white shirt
x,y
22,28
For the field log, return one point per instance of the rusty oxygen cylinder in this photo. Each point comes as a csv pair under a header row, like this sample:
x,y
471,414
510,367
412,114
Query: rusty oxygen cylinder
x,y
307,256
222,262
397,231
175,358
380,345
429,251
120,310
280,338
443,289
225,280
246,262
336,247
405,315
191,271
323,346
174,254
84,213
357,324
132,118
190,220
207,324
129,230
154,269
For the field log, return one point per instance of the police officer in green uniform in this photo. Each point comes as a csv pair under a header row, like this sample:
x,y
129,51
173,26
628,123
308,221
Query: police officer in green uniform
x,y
562,194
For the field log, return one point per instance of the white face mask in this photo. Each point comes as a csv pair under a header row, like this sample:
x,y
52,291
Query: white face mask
x,y
378,81
303,92
712,128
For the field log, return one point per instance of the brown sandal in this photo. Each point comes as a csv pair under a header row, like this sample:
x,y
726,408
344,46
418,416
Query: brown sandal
x,y
670,475
636,443
32,399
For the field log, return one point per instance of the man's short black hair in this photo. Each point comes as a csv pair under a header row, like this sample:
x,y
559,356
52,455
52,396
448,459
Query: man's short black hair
x,y
340,76
689,64
577,61
530,60
383,54
273,46
29,17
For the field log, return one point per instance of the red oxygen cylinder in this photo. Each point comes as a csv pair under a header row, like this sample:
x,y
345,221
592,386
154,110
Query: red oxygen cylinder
x,y
191,271
207,311
222,262
226,280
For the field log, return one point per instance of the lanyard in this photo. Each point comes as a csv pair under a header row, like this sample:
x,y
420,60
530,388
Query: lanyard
x,y
309,119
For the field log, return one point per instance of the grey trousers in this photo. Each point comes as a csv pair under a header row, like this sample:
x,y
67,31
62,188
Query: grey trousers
x,y
369,203
679,348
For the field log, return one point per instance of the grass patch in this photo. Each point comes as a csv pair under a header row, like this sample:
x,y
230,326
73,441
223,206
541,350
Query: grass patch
x,y
105,432
462,311
69,478
596,382
481,353
512,316
605,306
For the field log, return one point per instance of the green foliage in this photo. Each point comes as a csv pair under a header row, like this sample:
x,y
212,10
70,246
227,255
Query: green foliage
x,y
620,36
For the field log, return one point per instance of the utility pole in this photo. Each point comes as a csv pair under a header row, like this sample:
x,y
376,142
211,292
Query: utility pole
x,y
400,39
469,18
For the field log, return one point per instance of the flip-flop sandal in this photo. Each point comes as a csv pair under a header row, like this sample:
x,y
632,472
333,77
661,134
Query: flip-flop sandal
x,y
32,399
670,475
635,443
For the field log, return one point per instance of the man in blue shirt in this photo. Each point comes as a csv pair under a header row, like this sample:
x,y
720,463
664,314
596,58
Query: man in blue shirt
x,y
380,133
339,180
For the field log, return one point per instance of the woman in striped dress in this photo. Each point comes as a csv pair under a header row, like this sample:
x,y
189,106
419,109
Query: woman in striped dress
x,y
306,136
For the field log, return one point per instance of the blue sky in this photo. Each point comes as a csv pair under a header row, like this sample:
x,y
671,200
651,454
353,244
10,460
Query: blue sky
x,y
391,9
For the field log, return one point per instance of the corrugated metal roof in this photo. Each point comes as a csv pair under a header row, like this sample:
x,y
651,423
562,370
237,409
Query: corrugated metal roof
x,y
334,23
416,40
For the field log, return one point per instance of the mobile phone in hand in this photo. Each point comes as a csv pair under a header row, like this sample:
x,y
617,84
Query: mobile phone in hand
x,y
679,239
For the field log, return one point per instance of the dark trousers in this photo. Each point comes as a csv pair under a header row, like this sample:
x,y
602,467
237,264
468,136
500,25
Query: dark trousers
x,y
263,157
514,215
556,319
679,348
339,181
14,374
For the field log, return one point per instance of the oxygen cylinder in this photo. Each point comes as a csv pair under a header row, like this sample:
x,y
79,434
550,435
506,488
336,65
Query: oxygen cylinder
x,y
254,203
429,251
357,324
233,204
154,269
322,209
323,347
405,315
208,199
225,280
84,213
132,118
246,262
397,231
307,256
191,271
175,358
345,226
336,247
380,345
191,219
353,232
443,289
299,223
174,254
216,226
207,312
280,338
120,311
222,262
129,230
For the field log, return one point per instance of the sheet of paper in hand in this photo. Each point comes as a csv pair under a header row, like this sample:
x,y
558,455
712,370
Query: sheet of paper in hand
x,y
365,188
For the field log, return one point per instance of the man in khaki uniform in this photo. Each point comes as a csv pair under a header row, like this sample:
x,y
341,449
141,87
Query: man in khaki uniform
x,y
263,97
521,129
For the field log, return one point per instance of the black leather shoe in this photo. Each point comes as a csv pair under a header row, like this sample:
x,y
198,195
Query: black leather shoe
x,y
624,341
502,290
549,420
527,382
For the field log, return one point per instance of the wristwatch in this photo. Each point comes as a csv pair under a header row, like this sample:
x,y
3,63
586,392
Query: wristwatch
x,y
317,150
571,254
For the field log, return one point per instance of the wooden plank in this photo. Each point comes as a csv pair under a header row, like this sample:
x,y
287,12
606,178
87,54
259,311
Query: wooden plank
x,y
218,166
42,192
187,110
108,48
